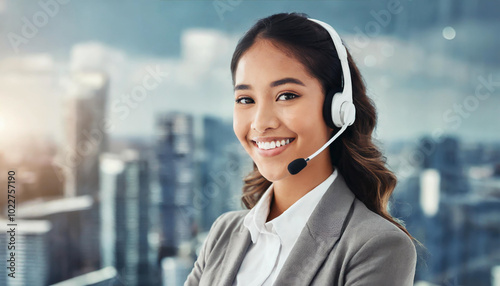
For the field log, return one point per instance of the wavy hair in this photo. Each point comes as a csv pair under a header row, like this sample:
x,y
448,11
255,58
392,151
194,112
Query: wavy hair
x,y
354,154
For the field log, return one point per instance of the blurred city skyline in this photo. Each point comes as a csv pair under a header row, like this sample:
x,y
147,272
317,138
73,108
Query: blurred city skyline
x,y
421,68
117,120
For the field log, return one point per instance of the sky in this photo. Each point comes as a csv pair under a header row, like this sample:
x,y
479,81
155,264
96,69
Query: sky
x,y
426,64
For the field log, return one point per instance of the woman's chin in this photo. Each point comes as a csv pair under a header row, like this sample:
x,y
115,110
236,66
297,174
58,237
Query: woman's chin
x,y
273,175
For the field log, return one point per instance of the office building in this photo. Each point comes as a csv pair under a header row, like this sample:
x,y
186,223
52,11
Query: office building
x,y
176,175
32,253
72,237
85,132
126,214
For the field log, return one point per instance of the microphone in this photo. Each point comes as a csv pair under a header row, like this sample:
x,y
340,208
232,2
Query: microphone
x,y
298,164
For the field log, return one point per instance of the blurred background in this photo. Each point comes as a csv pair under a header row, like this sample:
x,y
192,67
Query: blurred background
x,y
116,117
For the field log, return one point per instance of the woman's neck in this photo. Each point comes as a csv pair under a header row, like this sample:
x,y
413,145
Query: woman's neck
x,y
290,189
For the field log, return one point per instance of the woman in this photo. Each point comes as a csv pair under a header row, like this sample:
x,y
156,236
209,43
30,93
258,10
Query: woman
x,y
326,224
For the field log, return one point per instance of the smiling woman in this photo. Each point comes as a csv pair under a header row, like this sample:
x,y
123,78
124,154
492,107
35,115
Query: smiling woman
x,y
327,224
277,99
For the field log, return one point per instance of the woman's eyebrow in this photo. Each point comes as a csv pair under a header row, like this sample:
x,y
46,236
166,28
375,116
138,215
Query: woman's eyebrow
x,y
273,84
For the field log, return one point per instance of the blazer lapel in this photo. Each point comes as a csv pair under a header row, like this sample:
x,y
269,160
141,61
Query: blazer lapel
x,y
321,232
233,257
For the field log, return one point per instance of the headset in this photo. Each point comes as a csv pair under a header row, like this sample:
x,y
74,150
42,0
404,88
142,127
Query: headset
x,y
338,108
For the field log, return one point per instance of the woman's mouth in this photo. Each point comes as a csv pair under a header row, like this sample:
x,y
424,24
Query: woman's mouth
x,y
272,148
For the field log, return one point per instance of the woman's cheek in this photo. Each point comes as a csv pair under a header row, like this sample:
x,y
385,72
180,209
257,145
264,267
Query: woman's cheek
x,y
239,128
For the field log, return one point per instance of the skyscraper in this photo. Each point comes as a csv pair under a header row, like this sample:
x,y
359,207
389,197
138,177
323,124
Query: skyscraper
x,y
72,237
31,253
126,216
222,171
175,270
85,138
175,170
456,221
85,131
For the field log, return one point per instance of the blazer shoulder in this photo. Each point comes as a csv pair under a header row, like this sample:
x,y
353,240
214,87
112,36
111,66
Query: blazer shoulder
x,y
224,226
230,221
375,247
366,224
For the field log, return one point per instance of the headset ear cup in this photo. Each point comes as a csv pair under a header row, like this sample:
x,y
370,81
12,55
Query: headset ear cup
x,y
327,109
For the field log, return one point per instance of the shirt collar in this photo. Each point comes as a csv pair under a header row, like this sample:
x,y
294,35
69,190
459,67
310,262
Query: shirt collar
x,y
289,224
256,217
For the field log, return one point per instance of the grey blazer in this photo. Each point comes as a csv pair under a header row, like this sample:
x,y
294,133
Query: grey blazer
x,y
342,243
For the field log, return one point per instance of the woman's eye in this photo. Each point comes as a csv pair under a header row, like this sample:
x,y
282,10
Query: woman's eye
x,y
244,100
287,96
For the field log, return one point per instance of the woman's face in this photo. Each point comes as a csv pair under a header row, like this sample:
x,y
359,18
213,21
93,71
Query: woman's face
x,y
278,101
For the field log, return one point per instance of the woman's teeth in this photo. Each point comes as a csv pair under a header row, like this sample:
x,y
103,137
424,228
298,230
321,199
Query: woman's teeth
x,y
272,144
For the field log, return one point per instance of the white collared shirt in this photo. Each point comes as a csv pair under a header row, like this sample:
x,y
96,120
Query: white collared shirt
x,y
272,241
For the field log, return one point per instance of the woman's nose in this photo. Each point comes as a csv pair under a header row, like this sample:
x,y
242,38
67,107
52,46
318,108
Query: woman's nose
x,y
264,118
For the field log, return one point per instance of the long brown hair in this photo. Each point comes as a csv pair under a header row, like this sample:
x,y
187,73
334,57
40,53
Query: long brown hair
x,y
354,154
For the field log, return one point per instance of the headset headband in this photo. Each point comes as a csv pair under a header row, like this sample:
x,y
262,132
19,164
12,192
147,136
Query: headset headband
x,y
342,53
